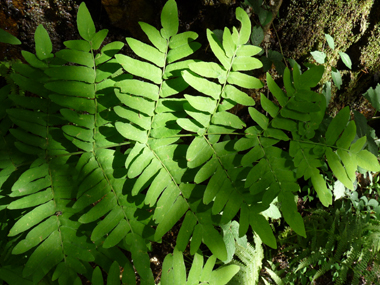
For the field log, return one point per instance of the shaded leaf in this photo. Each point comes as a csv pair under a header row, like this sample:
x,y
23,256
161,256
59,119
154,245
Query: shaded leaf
x,y
346,59
324,194
7,38
337,78
319,56
373,95
177,210
330,41
337,125
261,226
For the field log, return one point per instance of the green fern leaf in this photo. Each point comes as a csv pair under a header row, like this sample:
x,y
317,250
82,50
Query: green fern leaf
x,y
33,60
373,96
269,106
244,80
80,73
309,78
128,274
290,213
337,125
105,226
146,51
245,30
154,36
182,51
250,262
85,24
75,56
140,257
33,238
169,19
174,271
208,69
98,39
113,277
207,269
231,92
7,38
28,84
338,169
44,46
47,255
97,278
224,274
244,63
367,161
80,45
319,184
227,119
107,53
195,270
276,91
202,85
261,226
176,211
259,118
198,152
139,68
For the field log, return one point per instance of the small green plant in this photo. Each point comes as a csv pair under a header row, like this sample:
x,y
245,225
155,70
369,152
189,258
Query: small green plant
x,y
320,57
262,10
103,153
342,242
250,260
374,184
373,96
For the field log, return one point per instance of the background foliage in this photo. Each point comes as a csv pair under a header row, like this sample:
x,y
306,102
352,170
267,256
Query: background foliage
x,y
103,154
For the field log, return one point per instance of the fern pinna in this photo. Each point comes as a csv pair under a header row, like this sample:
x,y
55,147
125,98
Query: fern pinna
x,y
107,152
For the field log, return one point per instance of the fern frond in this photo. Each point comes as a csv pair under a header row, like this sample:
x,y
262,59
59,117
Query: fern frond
x,y
50,184
250,260
11,159
210,117
48,224
157,159
277,279
39,189
174,271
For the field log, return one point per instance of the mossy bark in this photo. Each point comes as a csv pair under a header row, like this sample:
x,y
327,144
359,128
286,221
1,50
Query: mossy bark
x,y
354,25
